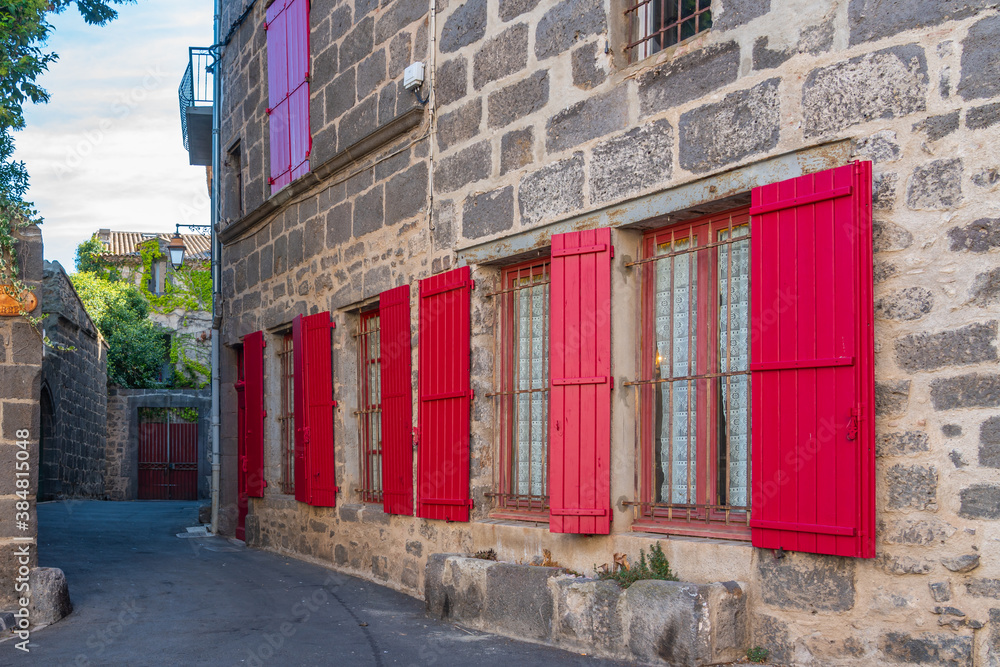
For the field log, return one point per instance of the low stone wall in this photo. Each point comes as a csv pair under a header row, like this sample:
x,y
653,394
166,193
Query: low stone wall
x,y
652,621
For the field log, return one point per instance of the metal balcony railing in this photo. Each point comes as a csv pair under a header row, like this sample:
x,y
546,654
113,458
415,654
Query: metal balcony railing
x,y
196,85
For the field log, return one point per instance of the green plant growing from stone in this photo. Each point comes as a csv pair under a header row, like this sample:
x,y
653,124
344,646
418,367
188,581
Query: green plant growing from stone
x,y
657,567
757,654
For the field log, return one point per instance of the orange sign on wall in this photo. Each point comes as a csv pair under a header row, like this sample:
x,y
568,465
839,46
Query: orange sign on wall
x,y
9,304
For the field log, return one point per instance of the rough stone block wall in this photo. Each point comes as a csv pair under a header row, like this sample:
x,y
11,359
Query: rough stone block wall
x,y
20,382
541,126
74,376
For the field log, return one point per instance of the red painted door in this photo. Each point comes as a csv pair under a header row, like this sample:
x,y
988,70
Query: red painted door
x,y
168,457
811,351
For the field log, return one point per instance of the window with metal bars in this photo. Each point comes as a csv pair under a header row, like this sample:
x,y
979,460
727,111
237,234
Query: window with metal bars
x,y
655,25
286,418
521,379
693,394
369,413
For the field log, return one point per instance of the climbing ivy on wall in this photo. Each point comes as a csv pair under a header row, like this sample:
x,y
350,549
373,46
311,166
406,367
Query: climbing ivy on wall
x,y
188,291
191,288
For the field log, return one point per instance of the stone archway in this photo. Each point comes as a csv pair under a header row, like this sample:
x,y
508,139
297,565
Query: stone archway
x,y
49,451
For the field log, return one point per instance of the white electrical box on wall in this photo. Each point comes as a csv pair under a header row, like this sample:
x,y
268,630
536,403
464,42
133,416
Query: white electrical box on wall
x,y
413,76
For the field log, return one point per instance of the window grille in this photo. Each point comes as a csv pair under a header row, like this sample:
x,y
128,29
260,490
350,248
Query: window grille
x,y
521,379
286,419
694,391
369,413
655,25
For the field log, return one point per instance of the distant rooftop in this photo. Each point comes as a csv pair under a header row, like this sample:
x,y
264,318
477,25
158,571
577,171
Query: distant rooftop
x,y
121,245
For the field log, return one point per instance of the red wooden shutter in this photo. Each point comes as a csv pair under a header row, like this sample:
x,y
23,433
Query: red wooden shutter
x,y
277,94
580,399
397,409
253,373
811,352
445,396
315,481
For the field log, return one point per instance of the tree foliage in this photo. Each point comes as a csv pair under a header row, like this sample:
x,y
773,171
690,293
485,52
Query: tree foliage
x,y
89,259
136,345
23,30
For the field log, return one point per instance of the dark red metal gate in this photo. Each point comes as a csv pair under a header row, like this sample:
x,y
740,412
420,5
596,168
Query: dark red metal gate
x,y
168,457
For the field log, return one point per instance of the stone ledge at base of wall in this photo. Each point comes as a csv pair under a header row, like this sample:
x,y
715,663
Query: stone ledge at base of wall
x,y
652,622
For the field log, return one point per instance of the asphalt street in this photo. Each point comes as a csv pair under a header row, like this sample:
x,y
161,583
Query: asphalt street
x,y
143,596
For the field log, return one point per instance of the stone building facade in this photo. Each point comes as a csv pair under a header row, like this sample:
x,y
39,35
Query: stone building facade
x,y
179,301
540,123
74,394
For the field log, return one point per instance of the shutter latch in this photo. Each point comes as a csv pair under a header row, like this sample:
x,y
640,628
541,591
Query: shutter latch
x,y
852,423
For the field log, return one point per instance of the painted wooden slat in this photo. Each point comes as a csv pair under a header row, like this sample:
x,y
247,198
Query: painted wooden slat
x,y
443,364
253,369
580,402
811,363
397,407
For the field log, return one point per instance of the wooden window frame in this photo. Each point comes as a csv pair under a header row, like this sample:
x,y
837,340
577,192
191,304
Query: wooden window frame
x,y
286,415
507,503
648,31
369,439
705,516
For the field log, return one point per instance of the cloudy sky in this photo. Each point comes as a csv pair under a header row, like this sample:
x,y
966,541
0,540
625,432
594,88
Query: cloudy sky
x,y
107,151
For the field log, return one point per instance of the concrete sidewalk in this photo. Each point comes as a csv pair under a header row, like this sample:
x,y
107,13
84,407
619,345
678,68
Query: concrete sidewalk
x,y
142,596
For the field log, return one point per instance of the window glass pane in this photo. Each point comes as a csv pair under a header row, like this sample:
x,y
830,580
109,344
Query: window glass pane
x,y
734,355
676,328
531,335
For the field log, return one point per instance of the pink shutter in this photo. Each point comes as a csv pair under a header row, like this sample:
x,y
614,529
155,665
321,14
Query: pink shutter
x,y
397,408
580,399
253,373
315,481
445,396
811,351
277,94
297,25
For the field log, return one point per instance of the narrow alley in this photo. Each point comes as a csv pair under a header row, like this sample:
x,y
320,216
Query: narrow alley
x,y
142,596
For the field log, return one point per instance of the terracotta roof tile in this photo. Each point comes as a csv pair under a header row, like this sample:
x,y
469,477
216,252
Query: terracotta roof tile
x,y
124,244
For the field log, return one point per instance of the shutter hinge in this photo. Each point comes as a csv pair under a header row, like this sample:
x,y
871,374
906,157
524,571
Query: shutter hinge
x,y
305,434
612,381
416,437
265,483
265,414
612,252
333,403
